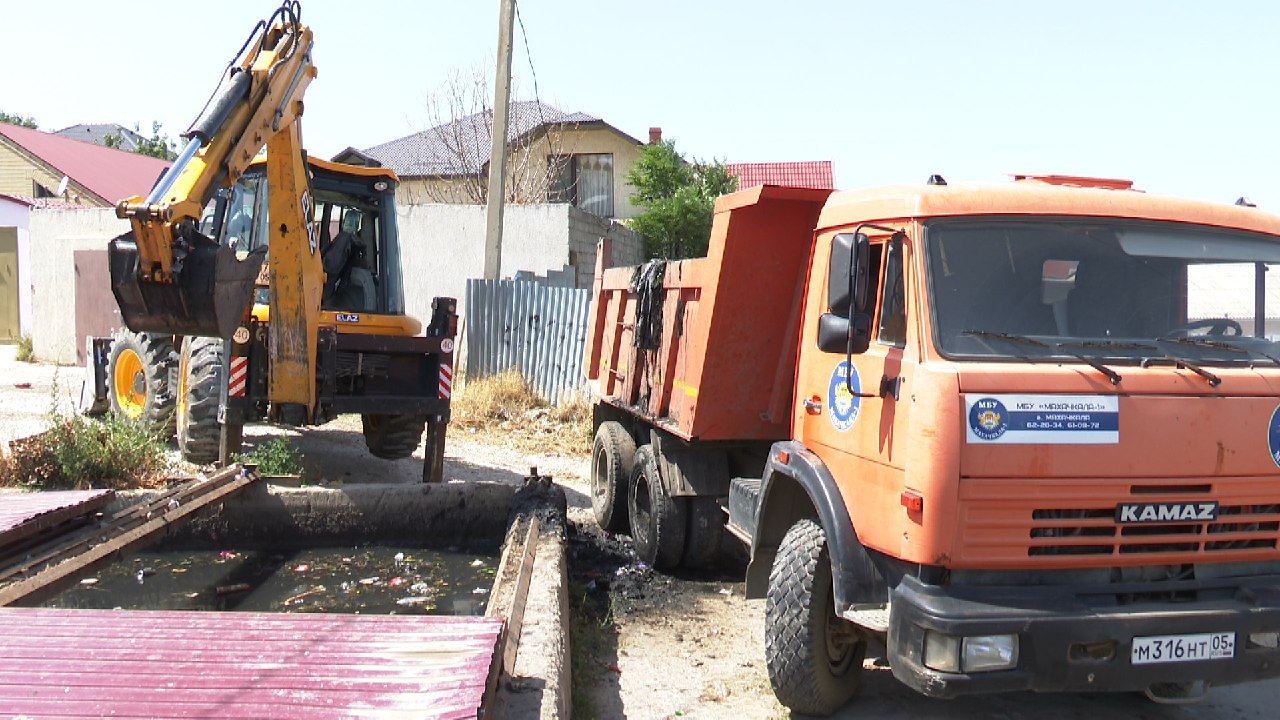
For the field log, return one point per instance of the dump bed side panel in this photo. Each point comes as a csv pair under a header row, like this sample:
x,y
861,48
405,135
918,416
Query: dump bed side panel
x,y
722,365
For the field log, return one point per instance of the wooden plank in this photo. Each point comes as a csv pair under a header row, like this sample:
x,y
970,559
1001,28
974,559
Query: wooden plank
x,y
26,514
197,494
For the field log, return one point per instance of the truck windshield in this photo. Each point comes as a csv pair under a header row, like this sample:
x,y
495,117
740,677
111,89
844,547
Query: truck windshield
x,y
1096,290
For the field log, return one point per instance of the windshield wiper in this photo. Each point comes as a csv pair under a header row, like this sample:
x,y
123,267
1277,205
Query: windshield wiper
x,y
1214,380
1219,345
1112,375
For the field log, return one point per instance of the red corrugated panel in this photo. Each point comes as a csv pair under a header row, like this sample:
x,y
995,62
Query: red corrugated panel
x,y
815,174
23,514
95,663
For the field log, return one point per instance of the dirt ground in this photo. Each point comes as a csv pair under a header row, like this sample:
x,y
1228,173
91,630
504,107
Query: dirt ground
x,y
647,645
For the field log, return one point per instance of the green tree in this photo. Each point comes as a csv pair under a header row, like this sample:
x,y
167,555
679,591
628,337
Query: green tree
x,y
157,146
678,198
26,122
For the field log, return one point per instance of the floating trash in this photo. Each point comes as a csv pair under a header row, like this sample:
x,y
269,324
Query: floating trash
x,y
89,581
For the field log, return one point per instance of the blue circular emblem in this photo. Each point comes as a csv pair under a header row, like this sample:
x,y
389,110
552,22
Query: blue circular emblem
x,y
844,404
988,418
1273,436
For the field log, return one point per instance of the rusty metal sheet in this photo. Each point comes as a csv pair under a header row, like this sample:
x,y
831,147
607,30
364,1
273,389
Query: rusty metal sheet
x,y
23,514
69,663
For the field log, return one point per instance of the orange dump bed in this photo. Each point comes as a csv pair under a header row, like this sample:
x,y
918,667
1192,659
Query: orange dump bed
x,y
717,350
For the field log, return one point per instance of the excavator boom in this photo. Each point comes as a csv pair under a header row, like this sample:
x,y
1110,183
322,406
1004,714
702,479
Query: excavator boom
x,y
168,277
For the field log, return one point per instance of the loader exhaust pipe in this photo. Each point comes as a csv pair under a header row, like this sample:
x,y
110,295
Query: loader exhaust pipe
x,y
210,294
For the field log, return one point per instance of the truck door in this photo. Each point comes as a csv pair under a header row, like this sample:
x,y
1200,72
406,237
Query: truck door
x,y
854,433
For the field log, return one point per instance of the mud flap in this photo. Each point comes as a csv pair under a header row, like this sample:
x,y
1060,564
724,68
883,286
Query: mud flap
x,y
210,295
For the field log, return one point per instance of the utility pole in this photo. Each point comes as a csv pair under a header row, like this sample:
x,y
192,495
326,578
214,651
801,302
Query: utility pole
x,y
498,139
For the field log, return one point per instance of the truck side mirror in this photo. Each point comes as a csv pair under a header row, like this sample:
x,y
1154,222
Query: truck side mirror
x,y
844,335
847,274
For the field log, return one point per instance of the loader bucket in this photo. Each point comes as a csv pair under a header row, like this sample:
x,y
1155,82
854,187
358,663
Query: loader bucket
x,y
210,295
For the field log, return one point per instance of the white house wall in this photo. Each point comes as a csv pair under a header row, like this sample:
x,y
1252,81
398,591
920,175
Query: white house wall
x,y
17,215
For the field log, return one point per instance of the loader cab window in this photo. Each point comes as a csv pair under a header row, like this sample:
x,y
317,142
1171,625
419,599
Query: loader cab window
x,y
348,248
240,232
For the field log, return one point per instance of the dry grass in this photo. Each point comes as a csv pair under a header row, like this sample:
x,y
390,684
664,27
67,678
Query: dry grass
x,y
503,409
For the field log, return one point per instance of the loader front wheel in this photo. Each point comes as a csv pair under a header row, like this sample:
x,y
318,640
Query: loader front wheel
x,y
201,368
392,437
814,656
657,519
612,457
138,379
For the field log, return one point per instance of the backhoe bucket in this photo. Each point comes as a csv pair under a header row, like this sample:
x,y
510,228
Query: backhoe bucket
x,y
210,295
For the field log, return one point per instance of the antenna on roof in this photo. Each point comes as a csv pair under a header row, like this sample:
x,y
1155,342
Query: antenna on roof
x,y
62,186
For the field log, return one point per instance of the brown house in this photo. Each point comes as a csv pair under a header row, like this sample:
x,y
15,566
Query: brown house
x,y
554,157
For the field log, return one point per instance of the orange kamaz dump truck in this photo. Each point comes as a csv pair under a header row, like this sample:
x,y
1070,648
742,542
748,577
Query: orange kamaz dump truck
x,y
1026,436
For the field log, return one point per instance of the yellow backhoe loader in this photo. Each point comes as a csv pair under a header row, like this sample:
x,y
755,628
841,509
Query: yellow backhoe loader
x,y
218,335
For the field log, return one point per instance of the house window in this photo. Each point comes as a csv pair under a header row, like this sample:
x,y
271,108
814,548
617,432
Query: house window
x,y
586,180
43,192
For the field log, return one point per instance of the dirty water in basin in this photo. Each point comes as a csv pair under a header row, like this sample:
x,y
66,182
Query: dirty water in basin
x,y
369,580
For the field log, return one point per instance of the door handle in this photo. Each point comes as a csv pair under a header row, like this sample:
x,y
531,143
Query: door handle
x,y
813,405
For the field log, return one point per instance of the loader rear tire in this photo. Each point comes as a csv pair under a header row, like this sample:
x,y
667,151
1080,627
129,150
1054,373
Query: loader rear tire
x,y
814,657
138,380
657,519
201,369
392,437
612,459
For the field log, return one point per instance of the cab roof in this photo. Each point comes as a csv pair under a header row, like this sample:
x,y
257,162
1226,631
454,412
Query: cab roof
x,y
1035,196
337,167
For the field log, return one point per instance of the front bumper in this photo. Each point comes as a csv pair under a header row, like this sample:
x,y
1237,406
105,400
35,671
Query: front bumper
x,y
1060,631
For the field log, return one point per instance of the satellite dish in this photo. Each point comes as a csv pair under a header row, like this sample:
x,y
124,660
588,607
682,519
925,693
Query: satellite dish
x,y
62,186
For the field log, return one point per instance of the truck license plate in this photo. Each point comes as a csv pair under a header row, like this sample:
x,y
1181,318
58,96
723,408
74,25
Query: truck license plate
x,y
1183,648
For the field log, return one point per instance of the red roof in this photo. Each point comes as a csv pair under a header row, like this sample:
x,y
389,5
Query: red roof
x,y
112,175
814,174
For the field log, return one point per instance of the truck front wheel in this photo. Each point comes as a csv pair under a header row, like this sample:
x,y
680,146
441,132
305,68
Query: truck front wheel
x,y
392,437
612,460
657,519
814,657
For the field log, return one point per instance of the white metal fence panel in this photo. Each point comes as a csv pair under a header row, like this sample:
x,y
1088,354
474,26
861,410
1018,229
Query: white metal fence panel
x,y
542,331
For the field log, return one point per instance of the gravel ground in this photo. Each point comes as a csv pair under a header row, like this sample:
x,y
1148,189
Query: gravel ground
x,y
651,645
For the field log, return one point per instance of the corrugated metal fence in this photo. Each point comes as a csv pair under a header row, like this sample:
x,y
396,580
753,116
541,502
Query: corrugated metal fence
x,y
540,330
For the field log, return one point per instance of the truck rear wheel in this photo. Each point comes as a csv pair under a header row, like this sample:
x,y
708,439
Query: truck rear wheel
x,y
814,657
200,376
657,519
138,379
392,437
612,459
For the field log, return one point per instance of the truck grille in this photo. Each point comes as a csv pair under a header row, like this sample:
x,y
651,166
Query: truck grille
x,y
1095,532
1072,523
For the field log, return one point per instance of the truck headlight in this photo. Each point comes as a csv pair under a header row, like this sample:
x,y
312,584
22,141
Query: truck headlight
x,y
977,653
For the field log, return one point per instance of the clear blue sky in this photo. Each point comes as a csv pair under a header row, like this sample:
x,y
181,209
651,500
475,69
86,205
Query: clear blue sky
x,y
1180,97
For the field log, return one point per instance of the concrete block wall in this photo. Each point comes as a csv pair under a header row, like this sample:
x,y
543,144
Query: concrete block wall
x,y
585,231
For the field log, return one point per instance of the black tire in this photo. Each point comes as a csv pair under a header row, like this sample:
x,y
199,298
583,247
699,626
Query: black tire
x,y
142,391
706,528
657,519
814,657
201,372
612,458
392,437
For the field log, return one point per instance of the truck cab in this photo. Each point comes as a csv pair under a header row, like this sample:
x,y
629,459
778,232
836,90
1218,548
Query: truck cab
x,y
1052,423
